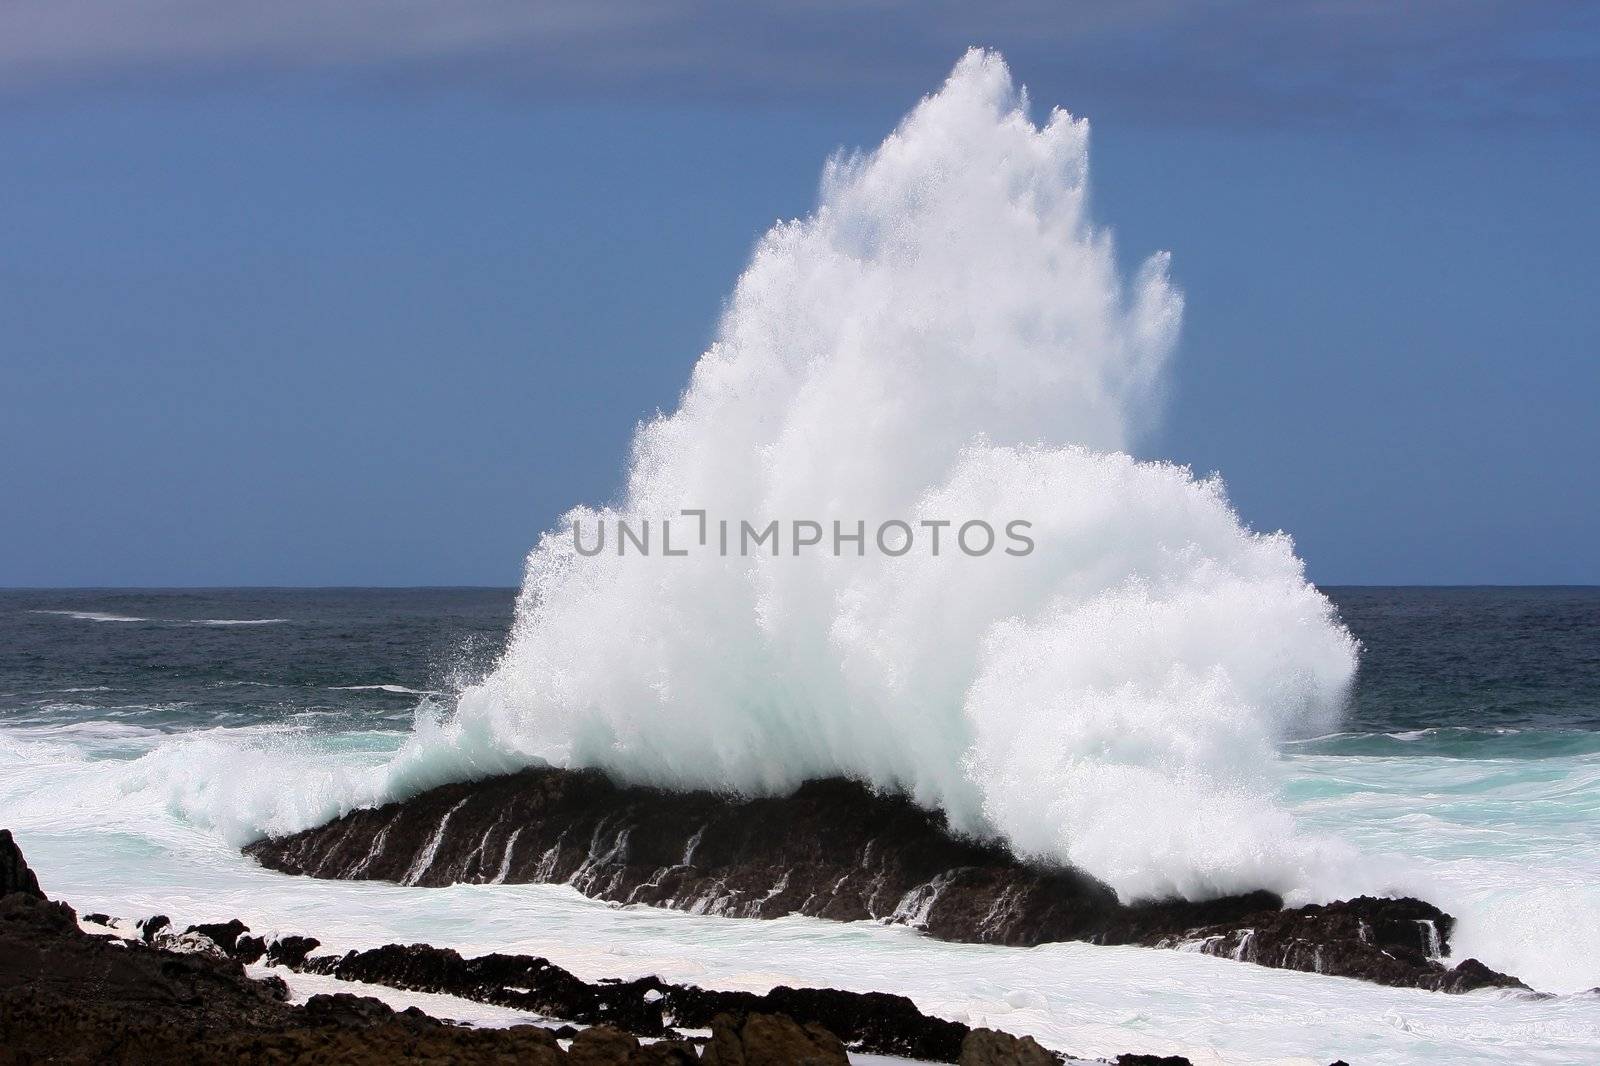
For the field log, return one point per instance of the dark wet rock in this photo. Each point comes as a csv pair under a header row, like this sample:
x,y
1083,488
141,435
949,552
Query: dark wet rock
x,y
290,951
68,997
343,1008
277,986
1470,975
1153,1060
666,1053
48,964
249,949
874,1022
989,1047
834,849
602,1045
770,1040
1388,941
223,934
879,1021
149,927
188,943
72,998
15,876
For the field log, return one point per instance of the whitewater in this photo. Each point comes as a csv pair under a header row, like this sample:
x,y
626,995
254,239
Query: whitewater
x,y
1155,694
945,338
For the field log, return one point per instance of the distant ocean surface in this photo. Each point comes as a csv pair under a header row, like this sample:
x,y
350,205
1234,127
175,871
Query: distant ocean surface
x,y
137,728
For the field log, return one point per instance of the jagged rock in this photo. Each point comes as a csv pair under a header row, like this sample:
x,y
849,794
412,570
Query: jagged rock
x,y
873,1022
359,1012
15,876
602,1045
276,986
887,1023
771,1040
249,949
1388,941
67,997
666,1053
988,1047
1470,974
48,962
290,951
149,927
189,943
223,934
833,849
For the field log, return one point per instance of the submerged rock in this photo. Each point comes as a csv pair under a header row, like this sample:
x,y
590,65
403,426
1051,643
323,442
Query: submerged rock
x,y
836,849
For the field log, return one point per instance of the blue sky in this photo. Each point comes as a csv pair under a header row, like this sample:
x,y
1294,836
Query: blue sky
x,y
292,297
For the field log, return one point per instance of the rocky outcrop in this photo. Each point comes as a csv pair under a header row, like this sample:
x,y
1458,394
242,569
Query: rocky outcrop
x,y
14,873
73,998
876,1022
989,1047
771,1040
835,849
142,993
1389,941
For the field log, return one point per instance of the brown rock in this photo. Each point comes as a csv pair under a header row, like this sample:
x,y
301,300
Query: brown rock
x,y
771,1040
602,1045
989,1047
665,1053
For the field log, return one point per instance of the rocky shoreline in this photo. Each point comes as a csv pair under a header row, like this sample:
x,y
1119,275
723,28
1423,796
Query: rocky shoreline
x,y
835,849
143,992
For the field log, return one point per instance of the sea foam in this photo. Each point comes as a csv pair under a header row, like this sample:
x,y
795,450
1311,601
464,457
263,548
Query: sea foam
x,y
946,337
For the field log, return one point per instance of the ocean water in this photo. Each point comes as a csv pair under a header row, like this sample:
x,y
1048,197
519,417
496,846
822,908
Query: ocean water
x,y
138,731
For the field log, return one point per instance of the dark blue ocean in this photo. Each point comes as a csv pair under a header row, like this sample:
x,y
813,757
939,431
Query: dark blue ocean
x,y
1486,660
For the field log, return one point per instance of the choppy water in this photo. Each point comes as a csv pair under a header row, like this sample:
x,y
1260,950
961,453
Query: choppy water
x,y
132,723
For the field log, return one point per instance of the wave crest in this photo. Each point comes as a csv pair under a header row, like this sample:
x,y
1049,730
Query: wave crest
x,y
1114,699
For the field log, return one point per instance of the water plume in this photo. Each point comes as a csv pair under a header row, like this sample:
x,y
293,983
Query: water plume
x,y
946,337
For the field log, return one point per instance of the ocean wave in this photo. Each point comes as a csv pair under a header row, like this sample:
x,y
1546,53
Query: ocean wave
x,y
400,690
102,616
94,616
948,336
1455,742
238,621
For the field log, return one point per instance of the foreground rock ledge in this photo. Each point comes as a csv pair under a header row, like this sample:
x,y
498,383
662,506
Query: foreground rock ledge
x,y
140,992
835,849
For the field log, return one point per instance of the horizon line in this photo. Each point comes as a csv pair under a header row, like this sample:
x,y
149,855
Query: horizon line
x,y
518,588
